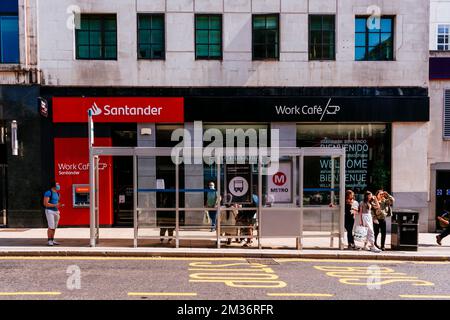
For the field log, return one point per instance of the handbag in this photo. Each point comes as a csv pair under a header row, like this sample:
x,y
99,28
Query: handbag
x,y
360,232
206,219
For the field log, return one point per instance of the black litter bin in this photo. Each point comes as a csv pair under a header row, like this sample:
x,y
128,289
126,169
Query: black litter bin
x,y
405,230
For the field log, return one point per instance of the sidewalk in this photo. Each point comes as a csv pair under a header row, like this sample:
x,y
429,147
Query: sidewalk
x,y
119,242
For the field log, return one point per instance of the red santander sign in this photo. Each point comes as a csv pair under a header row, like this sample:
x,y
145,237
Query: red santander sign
x,y
118,109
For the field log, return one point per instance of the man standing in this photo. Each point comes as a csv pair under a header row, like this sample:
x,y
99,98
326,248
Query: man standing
x,y
51,204
446,232
212,201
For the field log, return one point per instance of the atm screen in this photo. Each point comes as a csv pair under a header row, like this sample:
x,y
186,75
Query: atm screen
x,y
80,195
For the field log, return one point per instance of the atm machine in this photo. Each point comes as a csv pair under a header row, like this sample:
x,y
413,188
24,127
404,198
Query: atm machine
x,y
80,194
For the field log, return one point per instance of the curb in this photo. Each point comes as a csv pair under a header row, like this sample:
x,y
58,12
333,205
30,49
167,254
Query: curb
x,y
221,254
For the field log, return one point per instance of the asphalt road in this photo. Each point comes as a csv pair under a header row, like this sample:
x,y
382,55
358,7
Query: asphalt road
x,y
50,278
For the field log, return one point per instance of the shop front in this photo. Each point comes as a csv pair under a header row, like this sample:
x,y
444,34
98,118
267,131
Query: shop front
x,y
361,120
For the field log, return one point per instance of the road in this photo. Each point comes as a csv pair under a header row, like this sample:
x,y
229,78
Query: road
x,y
220,278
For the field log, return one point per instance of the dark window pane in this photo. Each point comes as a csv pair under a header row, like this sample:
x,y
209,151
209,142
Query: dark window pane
x,y
386,25
110,25
95,25
144,22
360,53
315,23
110,52
201,37
271,51
360,25
215,23
271,37
214,51
259,22
84,23
202,22
360,39
202,50
374,39
9,39
83,52
83,38
259,51
157,37
374,53
259,37
144,51
110,38
95,52
95,38
145,36
328,38
315,52
158,22
316,37
386,37
272,22
214,37
328,23
157,52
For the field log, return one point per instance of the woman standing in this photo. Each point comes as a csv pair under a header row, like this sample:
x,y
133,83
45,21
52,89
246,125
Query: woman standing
x,y
385,201
364,218
351,209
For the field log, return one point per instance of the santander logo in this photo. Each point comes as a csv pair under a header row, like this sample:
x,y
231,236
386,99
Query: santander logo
x,y
95,109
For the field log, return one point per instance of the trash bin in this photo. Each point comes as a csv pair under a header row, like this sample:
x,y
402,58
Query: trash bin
x,y
405,230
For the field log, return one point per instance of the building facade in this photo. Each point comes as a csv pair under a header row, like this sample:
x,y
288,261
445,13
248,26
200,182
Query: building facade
x,y
439,157
341,73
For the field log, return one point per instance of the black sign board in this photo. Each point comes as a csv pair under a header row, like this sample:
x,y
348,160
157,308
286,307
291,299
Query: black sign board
x,y
307,109
238,182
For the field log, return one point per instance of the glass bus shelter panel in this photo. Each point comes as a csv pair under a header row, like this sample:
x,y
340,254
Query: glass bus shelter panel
x,y
321,181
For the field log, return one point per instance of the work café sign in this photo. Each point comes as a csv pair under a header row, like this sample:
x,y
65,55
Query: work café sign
x,y
118,109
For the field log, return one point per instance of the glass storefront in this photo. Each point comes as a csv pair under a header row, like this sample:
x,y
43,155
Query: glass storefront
x,y
368,157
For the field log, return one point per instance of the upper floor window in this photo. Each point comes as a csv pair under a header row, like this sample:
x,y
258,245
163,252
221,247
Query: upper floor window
x,y
97,37
442,37
208,36
321,37
446,130
151,44
374,41
9,31
265,37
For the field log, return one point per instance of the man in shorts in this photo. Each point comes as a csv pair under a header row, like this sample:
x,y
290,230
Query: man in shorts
x,y
51,204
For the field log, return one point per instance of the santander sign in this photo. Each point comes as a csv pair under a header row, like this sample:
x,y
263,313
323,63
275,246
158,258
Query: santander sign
x,y
119,109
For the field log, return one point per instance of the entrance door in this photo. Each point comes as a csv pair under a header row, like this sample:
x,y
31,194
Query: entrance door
x,y
442,193
3,185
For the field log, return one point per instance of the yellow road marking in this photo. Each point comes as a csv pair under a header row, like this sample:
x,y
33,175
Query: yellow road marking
x,y
192,294
282,260
424,296
300,295
29,293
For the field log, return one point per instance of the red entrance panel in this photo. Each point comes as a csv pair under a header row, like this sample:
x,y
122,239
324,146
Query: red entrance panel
x,y
72,168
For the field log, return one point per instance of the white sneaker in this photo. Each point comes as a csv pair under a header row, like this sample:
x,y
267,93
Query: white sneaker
x,y
375,249
55,243
243,242
50,243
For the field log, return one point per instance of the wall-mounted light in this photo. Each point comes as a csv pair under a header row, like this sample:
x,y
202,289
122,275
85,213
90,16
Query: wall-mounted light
x,y
146,131
14,141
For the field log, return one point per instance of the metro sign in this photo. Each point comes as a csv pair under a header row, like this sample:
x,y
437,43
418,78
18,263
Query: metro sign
x,y
279,179
118,109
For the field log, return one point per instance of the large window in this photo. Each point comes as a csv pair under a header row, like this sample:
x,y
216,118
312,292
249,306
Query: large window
x,y
151,44
265,39
374,40
447,114
321,37
368,154
208,36
97,37
9,31
442,37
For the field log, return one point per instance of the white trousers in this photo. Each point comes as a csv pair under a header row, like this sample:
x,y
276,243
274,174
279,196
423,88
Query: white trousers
x,y
367,222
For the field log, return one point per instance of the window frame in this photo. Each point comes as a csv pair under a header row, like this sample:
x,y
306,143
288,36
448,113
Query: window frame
x,y
277,58
103,18
161,14
445,34
309,38
220,58
11,14
446,101
367,33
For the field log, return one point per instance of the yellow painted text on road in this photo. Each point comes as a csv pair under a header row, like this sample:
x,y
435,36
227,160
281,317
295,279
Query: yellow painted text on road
x,y
318,295
29,293
154,294
424,296
237,275
370,276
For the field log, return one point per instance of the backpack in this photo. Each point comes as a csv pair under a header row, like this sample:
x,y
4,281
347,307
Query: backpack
x,y
43,196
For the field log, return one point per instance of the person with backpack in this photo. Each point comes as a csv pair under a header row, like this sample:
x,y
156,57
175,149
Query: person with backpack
x,y
51,204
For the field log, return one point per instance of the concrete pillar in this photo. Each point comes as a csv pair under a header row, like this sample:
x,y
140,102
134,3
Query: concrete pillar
x,y
146,176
